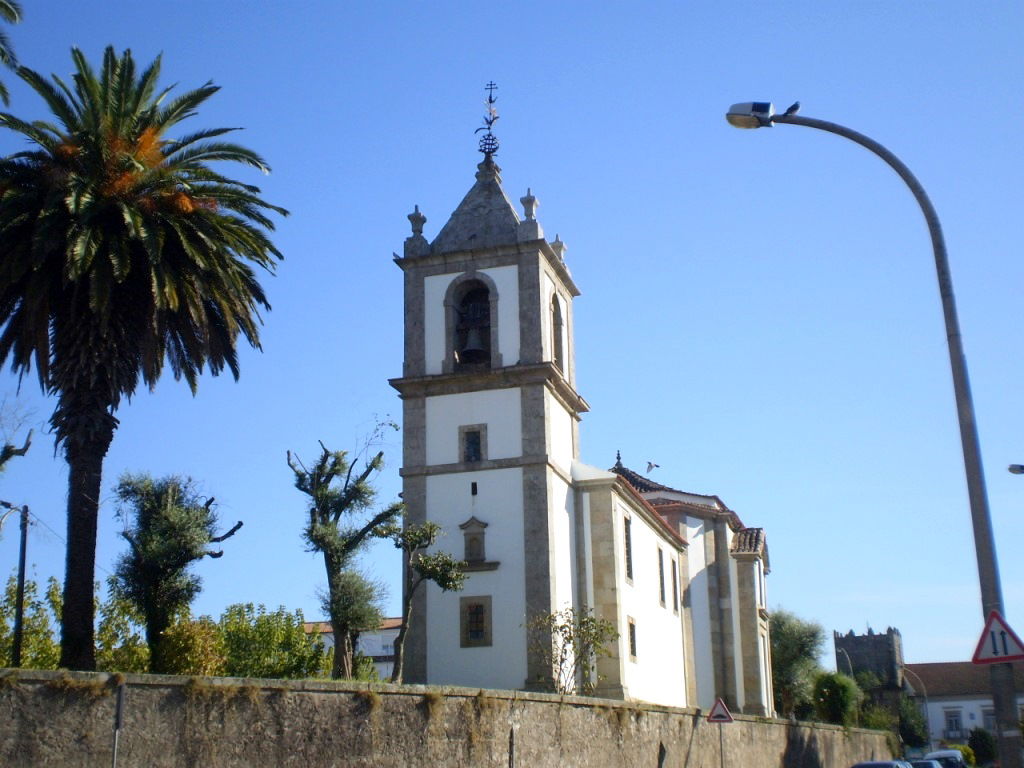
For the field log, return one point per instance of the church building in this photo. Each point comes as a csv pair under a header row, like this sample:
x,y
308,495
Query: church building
x,y
491,452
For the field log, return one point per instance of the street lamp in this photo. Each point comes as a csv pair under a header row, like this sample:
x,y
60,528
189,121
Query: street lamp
x,y
761,114
1016,469
927,715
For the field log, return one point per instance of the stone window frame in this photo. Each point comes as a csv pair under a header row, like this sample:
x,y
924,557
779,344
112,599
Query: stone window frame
x,y
452,296
631,638
661,577
465,603
463,430
627,546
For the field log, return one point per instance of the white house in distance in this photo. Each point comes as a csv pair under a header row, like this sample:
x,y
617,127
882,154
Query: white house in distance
x,y
956,697
491,453
376,644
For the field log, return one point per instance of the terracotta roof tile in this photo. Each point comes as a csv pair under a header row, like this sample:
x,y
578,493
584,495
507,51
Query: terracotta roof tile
x,y
957,678
748,541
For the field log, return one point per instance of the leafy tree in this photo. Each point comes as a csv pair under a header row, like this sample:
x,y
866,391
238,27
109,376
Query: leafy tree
x,y
262,644
10,11
913,730
39,649
168,528
10,450
836,698
195,647
984,745
569,643
796,646
122,247
418,567
336,526
357,606
120,645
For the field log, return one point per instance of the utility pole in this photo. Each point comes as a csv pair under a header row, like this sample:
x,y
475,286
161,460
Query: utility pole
x,y
19,601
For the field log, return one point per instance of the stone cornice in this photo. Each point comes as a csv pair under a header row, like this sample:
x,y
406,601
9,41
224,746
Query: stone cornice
x,y
480,466
483,258
500,378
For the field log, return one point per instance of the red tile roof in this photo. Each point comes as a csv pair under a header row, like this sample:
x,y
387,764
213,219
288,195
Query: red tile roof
x,y
957,678
324,627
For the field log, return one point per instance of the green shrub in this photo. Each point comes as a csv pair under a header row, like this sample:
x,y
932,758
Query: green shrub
x,y
984,745
836,698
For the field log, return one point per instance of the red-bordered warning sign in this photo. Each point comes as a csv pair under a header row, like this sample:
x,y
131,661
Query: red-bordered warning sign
x,y
998,642
719,713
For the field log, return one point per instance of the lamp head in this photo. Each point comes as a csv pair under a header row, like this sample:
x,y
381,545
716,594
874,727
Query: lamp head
x,y
1017,469
751,114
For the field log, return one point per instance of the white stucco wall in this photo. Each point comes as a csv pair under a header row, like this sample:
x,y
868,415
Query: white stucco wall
x,y
499,409
559,433
700,613
658,673
499,503
563,543
506,280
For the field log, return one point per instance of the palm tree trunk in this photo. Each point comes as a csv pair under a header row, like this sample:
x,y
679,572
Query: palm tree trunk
x,y
85,465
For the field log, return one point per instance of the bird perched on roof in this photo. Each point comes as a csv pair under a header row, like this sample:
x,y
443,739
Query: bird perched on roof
x,y
651,466
793,108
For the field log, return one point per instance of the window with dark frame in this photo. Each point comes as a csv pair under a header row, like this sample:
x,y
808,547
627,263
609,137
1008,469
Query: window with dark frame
x,y
475,621
632,639
627,539
661,576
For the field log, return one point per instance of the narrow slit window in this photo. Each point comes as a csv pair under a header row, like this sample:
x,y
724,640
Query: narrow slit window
x,y
627,543
632,639
675,587
661,576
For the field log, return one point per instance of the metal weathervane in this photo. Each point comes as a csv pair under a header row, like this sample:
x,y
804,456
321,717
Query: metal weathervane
x,y
489,142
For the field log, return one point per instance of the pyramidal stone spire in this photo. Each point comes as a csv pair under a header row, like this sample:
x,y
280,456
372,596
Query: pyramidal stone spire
x,y
485,218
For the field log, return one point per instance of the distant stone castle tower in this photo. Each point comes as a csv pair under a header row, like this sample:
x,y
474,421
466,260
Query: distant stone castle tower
x,y
880,654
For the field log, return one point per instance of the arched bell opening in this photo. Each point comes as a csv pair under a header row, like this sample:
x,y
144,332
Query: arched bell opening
x,y
471,324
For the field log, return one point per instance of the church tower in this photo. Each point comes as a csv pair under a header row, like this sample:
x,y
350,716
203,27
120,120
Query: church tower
x,y
490,413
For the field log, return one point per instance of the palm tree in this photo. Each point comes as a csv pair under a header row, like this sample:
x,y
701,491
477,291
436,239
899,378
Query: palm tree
x,y
10,11
120,247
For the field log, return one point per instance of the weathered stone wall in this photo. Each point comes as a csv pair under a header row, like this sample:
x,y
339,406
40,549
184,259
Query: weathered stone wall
x,y
56,719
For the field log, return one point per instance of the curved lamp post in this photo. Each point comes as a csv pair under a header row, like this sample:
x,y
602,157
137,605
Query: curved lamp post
x,y
761,114
924,690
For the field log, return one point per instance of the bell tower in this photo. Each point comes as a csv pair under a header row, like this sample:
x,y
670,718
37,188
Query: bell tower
x,y
491,415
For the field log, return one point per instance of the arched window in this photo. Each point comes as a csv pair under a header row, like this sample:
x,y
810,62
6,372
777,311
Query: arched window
x,y
557,348
472,342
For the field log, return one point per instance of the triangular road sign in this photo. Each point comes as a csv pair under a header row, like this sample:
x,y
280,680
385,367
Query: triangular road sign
x,y
719,713
998,642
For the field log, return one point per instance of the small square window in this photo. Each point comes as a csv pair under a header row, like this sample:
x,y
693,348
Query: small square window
x,y
475,621
472,443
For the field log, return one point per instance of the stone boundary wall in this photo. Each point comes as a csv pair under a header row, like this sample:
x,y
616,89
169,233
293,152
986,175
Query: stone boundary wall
x,y
67,719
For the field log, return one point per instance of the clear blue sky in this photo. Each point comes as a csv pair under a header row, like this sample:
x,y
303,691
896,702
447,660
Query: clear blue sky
x,y
759,312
